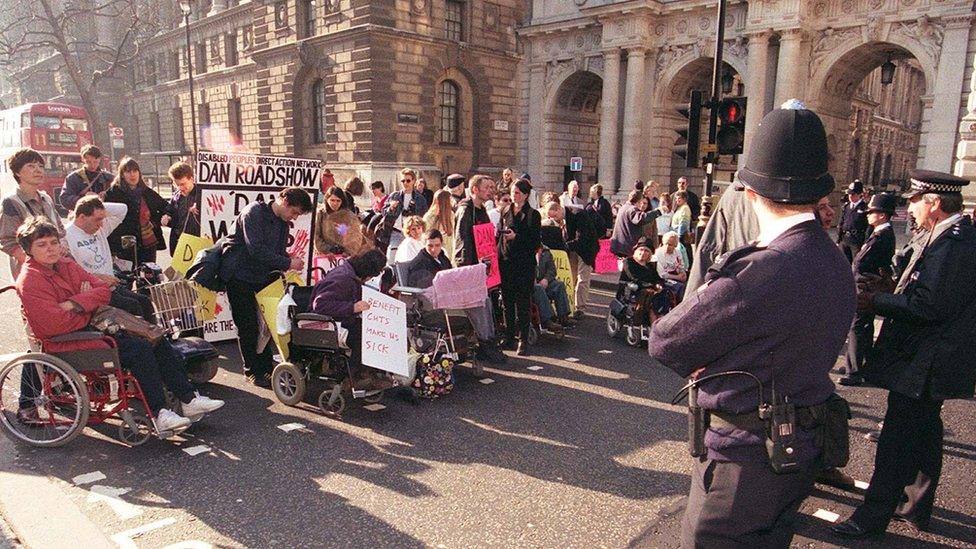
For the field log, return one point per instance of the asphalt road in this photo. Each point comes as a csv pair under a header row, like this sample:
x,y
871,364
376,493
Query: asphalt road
x,y
582,450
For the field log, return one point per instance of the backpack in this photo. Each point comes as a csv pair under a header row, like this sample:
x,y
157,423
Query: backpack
x,y
205,269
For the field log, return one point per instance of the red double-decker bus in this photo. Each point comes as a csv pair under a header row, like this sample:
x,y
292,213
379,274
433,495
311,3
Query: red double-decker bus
x,y
55,130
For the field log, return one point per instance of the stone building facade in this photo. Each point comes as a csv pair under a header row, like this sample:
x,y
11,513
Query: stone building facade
x,y
367,86
640,60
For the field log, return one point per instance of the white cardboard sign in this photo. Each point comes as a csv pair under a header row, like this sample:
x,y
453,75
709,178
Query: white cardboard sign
x,y
385,333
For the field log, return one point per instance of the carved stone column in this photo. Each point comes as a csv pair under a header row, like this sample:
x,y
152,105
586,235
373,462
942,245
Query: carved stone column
x,y
790,68
537,146
756,86
610,122
217,6
944,114
630,160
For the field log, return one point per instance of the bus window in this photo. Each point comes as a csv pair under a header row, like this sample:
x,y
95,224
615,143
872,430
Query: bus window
x,y
61,165
25,120
47,122
76,124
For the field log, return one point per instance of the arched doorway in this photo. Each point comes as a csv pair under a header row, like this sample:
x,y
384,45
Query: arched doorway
x,y
873,121
573,129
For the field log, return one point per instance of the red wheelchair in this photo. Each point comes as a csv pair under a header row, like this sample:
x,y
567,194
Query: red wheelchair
x,y
47,399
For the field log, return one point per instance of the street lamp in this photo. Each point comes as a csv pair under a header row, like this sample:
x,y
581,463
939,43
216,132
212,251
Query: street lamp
x,y
727,81
185,7
887,72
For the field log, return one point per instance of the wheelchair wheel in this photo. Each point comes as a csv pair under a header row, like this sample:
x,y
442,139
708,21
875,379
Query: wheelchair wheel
x,y
203,371
613,325
138,436
54,397
634,336
533,335
374,397
288,383
332,402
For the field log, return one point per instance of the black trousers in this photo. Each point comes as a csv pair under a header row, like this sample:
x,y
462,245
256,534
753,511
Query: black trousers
x,y
859,341
154,368
850,250
743,505
517,296
907,466
133,302
244,309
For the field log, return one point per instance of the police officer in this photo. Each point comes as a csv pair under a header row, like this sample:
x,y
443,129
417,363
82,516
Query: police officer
x,y
872,261
853,226
924,355
795,293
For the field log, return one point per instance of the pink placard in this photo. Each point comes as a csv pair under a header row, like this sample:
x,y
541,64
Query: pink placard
x,y
606,262
485,247
326,262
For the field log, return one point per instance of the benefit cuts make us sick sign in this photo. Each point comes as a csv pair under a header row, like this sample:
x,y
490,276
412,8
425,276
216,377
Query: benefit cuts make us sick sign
x,y
229,182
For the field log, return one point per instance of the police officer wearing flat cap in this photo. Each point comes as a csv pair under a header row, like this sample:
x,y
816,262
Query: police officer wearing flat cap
x,y
873,261
853,227
924,355
779,310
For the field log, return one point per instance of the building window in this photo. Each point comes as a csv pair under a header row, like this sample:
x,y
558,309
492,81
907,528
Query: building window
x,y
447,99
281,14
203,124
174,65
179,140
234,120
200,66
454,20
151,72
318,111
230,49
310,12
157,137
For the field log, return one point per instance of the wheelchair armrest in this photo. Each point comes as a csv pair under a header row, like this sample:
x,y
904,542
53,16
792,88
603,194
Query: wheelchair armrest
x,y
81,335
313,316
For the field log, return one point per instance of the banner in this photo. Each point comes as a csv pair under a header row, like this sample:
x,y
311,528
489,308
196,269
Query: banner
x,y
187,248
326,262
485,247
268,299
384,336
606,261
229,182
564,272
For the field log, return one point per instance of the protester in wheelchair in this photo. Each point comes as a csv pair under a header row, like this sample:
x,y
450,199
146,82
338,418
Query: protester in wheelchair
x,y
419,273
548,290
59,297
340,295
651,299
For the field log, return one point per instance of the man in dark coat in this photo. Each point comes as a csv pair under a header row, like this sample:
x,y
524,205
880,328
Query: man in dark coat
x,y
853,226
694,201
795,292
601,207
873,260
90,179
924,355
628,227
182,213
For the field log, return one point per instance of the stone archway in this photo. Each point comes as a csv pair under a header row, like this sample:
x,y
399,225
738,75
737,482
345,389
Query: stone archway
x,y
840,76
572,128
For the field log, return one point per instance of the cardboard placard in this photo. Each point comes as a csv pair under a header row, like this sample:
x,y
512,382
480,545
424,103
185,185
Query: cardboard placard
x,y
384,337
187,248
606,261
268,299
485,247
326,262
564,272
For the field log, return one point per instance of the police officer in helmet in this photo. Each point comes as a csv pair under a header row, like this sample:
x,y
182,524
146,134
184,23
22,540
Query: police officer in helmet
x,y
779,311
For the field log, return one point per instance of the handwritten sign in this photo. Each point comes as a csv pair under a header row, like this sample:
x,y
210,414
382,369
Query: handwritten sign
x,y
485,247
606,261
325,262
187,248
385,333
564,272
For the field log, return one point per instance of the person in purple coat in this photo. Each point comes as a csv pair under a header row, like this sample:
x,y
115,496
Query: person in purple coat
x,y
340,295
778,309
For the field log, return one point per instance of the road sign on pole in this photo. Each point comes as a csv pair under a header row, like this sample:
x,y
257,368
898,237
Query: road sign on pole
x,y
576,164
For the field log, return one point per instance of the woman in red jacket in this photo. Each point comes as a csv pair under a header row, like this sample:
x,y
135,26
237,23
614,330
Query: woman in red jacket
x,y
59,297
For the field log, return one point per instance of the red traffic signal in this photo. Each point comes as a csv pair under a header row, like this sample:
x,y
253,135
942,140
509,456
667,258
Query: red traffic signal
x,y
732,114
732,110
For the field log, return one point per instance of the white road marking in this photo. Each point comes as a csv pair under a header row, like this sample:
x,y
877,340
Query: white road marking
x,y
191,544
196,450
826,515
125,539
110,495
289,427
571,359
374,407
88,478
861,484
605,351
534,368
486,381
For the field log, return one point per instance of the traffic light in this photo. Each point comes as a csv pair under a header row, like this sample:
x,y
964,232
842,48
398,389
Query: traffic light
x,y
731,135
692,134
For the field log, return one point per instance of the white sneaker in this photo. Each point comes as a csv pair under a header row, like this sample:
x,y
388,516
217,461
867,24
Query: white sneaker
x,y
169,421
200,405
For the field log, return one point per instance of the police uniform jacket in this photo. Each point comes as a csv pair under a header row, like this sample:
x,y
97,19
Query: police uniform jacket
x,y
784,309
853,227
927,344
876,254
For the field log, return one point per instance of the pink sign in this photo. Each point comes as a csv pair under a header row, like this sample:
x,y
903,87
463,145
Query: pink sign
x,y
606,262
326,263
485,247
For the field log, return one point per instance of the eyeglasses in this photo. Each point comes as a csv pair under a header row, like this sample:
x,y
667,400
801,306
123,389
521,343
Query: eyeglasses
x,y
406,181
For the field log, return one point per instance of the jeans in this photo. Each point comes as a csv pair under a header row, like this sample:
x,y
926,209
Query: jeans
x,y
244,309
544,298
396,238
154,368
